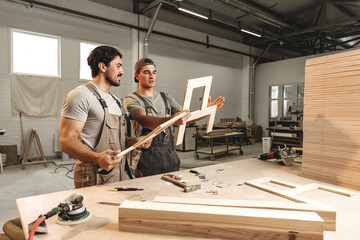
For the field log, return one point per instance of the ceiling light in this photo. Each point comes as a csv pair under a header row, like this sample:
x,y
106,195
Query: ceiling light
x,y
192,13
255,34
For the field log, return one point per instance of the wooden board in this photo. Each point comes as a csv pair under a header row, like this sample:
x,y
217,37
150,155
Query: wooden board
x,y
152,134
331,119
328,214
218,222
204,82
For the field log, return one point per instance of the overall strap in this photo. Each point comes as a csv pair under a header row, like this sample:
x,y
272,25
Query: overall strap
x,y
97,95
147,105
123,112
167,109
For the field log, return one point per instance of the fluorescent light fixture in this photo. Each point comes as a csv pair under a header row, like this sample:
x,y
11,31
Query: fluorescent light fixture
x,y
192,13
255,34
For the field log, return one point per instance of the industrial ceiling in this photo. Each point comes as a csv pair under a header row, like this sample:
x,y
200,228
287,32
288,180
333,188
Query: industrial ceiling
x,y
291,28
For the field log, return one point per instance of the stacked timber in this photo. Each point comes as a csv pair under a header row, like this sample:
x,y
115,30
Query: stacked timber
x,y
331,147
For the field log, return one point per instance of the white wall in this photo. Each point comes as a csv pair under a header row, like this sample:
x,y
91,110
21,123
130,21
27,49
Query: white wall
x,y
177,61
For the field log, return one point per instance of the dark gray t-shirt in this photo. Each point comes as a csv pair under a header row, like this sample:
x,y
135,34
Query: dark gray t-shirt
x,y
156,102
82,105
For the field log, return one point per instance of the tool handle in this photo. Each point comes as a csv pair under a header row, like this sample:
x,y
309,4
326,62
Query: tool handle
x,y
169,179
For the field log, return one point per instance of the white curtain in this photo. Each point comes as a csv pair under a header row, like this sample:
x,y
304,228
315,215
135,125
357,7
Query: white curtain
x,y
35,95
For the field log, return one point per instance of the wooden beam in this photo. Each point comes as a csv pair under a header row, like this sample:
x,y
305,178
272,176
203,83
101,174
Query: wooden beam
x,y
218,222
327,213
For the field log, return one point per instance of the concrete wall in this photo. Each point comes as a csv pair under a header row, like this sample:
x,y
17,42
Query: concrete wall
x,y
177,61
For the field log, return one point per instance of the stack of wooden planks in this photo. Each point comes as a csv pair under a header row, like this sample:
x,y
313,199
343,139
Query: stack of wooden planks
x,y
331,147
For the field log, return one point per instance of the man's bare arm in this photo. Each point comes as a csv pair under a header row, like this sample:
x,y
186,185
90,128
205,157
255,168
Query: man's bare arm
x,y
70,143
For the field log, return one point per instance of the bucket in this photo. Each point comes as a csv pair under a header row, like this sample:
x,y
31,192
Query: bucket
x,y
266,144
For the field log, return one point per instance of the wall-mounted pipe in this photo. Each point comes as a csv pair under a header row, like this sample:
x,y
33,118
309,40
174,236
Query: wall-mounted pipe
x,y
151,27
252,85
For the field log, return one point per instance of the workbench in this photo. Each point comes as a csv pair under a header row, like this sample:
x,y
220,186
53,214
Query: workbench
x,y
219,149
104,223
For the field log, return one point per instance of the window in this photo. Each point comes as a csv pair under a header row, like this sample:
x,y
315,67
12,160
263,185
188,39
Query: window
x,y
300,94
35,53
274,102
85,49
286,101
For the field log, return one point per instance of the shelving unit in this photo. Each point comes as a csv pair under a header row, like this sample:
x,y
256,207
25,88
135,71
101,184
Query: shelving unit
x,y
295,140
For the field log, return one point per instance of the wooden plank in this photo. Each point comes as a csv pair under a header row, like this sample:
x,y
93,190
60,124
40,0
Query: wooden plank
x,y
152,134
327,213
292,197
218,222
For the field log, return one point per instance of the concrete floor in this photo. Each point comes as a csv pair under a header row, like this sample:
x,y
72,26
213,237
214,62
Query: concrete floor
x,y
36,179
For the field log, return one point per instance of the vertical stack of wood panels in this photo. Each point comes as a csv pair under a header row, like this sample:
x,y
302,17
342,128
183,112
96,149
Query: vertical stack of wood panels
x,y
332,119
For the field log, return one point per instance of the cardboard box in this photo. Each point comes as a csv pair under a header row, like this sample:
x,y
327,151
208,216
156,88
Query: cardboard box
x,y
11,154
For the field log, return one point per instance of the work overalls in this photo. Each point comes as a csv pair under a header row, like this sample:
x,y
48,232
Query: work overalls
x,y
112,138
160,157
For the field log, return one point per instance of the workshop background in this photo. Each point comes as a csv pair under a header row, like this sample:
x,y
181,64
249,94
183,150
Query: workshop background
x,y
256,51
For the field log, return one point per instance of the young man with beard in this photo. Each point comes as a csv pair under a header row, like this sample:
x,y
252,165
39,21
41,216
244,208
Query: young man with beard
x,y
92,125
148,109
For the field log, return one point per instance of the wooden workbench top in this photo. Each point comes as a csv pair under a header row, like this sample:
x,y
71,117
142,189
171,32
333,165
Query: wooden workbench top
x,y
229,177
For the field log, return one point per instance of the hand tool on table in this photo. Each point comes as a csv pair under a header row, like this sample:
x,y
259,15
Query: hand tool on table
x,y
125,189
187,188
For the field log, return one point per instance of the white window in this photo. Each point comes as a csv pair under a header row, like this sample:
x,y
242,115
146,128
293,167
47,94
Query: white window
x,y
85,49
286,102
35,53
274,102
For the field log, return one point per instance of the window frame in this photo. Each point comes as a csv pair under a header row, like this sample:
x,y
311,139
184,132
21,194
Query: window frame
x,y
58,38
281,98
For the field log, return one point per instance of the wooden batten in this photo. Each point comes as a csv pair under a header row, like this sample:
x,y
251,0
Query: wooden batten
x,y
218,222
331,119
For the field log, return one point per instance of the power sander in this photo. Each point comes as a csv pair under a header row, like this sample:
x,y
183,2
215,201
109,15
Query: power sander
x,y
71,211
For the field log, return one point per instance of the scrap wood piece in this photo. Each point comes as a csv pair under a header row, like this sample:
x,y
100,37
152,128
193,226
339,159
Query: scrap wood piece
x,y
204,110
327,213
296,189
218,222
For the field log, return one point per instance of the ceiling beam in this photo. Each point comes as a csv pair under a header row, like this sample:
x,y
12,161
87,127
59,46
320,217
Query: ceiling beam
x,y
324,27
303,9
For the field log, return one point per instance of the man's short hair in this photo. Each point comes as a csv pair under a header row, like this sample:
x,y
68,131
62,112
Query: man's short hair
x,y
100,54
141,63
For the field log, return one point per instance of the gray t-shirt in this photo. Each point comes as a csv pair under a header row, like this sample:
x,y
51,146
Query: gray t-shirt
x,y
156,102
82,105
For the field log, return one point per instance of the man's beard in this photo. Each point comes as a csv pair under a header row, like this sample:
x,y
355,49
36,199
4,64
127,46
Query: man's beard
x,y
112,81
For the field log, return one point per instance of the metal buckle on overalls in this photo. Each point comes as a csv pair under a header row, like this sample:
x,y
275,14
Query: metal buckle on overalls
x,y
166,137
